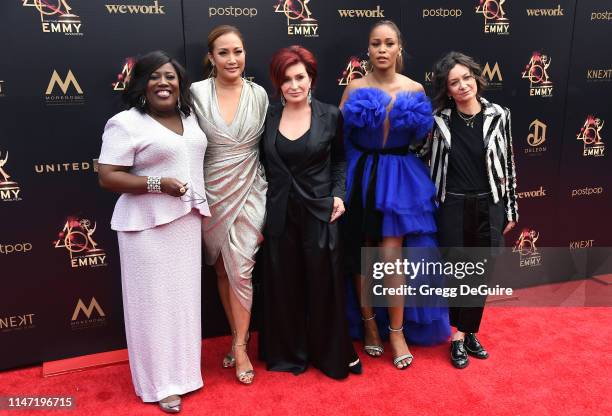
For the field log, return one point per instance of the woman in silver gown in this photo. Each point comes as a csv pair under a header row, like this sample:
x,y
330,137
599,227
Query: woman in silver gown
x,y
231,111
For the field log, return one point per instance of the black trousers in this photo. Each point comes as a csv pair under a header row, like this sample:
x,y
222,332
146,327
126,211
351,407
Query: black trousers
x,y
304,298
470,220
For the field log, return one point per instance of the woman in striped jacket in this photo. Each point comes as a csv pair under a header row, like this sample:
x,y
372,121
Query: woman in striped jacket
x,y
475,181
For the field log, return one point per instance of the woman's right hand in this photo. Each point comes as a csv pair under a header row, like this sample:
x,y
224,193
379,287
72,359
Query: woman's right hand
x,y
173,187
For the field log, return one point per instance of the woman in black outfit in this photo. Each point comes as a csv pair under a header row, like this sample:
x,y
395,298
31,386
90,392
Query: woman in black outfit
x,y
303,286
475,180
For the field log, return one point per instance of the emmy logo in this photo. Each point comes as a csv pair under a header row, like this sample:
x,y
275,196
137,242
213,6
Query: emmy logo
x,y
495,20
591,137
124,76
77,238
526,247
56,16
9,190
536,71
299,17
355,68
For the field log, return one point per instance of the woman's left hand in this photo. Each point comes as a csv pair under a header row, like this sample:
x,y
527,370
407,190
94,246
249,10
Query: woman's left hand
x,y
509,226
338,209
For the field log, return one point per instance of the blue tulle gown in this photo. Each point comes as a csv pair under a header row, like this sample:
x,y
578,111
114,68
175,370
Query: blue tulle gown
x,y
395,196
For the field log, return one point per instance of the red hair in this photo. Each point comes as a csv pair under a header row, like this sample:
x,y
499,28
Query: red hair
x,y
286,57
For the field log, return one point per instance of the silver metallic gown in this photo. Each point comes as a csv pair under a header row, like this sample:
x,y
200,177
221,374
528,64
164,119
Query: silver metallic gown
x,y
235,182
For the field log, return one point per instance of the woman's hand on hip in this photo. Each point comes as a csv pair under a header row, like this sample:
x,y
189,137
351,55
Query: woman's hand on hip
x,y
337,210
173,187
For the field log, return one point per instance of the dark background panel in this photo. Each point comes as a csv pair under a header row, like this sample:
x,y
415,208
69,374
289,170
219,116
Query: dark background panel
x,y
42,289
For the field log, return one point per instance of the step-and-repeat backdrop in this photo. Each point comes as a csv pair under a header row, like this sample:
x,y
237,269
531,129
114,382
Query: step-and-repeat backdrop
x,y
65,62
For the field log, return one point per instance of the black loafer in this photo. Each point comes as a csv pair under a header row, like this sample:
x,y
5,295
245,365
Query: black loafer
x,y
474,347
459,357
356,367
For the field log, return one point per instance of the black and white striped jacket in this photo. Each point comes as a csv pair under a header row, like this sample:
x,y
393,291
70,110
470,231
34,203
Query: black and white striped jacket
x,y
500,156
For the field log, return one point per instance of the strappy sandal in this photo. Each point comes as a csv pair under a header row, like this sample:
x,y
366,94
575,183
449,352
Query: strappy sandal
x,y
372,350
247,376
397,361
229,361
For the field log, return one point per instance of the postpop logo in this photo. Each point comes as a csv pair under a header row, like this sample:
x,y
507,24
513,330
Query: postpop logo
x,y
299,18
441,12
20,248
232,11
587,191
56,16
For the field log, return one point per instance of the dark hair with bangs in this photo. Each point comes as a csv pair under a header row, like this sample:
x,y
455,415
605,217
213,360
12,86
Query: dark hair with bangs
x,y
440,76
141,72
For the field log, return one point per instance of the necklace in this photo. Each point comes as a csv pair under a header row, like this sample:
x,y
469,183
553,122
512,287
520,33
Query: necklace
x,y
469,121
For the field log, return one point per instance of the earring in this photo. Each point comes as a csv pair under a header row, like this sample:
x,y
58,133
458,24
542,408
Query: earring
x,y
309,96
142,101
368,53
283,101
178,104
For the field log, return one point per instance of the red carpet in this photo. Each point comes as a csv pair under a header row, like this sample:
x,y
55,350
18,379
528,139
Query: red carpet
x,y
544,361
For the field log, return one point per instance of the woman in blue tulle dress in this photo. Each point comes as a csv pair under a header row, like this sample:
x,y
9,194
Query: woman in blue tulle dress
x,y
390,199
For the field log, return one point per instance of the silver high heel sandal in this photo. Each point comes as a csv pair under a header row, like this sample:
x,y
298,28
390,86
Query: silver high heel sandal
x,y
397,361
229,361
171,406
247,376
372,350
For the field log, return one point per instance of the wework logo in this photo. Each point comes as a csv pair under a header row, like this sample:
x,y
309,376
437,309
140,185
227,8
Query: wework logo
x,y
377,12
155,8
545,12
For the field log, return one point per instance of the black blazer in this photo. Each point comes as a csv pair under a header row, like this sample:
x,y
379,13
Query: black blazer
x,y
321,175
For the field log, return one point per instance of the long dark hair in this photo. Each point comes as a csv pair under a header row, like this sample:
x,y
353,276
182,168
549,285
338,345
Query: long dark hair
x,y
141,72
440,76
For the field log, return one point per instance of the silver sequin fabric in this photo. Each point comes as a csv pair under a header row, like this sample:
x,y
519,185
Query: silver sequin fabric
x,y
235,182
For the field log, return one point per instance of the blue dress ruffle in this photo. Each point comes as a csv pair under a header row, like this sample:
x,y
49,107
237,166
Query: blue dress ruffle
x,y
404,193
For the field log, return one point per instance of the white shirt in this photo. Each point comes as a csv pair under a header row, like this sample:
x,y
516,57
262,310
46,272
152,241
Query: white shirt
x,y
137,140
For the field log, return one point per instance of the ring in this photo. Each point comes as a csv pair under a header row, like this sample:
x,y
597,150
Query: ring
x,y
182,190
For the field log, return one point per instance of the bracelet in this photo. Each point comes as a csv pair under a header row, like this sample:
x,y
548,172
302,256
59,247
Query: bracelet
x,y
154,184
